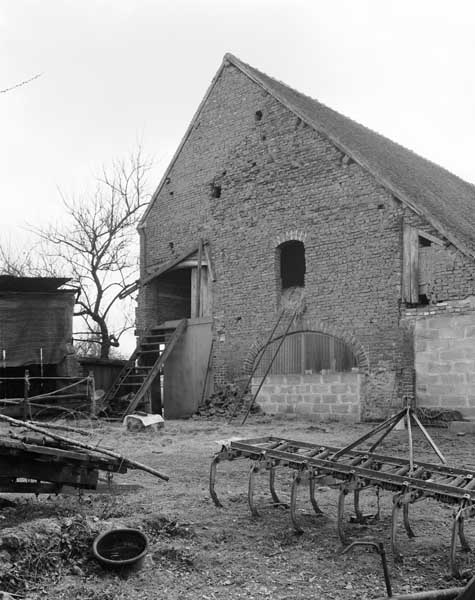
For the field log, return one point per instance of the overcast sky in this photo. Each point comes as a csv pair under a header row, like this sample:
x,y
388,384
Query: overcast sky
x,y
118,71
114,71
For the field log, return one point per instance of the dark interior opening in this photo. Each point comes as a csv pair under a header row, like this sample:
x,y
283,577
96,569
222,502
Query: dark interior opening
x,y
13,386
174,295
215,190
292,264
424,242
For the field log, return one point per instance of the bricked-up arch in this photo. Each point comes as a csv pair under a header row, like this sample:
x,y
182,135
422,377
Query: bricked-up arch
x,y
317,326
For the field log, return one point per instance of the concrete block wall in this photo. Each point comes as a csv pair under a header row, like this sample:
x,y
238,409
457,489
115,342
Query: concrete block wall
x,y
317,396
444,338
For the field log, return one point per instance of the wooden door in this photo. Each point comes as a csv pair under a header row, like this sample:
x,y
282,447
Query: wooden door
x,y
185,370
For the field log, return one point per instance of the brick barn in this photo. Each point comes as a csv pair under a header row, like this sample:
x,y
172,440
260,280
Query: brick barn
x,y
274,200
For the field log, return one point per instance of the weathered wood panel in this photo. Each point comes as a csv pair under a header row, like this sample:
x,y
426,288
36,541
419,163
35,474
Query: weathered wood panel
x,y
105,371
307,351
410,266
185,370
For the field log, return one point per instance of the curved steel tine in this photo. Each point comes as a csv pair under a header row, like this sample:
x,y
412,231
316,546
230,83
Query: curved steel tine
x,y
311,489
251,488
275,497
453,545
463,540
212,481
395,514
341,514
405,516
293,502
356,502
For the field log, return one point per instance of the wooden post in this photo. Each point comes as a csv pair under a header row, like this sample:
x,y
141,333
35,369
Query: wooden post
x,y
26,407
148,401
92,390
198,280
332,354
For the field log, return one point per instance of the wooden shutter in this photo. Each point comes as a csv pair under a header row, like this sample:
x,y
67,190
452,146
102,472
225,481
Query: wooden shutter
x,y
410,266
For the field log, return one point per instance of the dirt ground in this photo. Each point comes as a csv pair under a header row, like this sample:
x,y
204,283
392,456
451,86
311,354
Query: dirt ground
x,y
197,550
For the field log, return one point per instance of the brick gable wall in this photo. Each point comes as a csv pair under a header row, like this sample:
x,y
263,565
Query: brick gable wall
x,y
281,180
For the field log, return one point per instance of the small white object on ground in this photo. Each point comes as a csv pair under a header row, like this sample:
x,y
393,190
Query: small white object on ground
x,y
137,422
227,442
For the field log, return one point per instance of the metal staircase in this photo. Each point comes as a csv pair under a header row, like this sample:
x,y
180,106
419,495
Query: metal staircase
x,y
145,364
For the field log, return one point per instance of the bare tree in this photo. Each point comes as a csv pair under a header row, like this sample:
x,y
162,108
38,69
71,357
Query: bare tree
x,y
24,261
97,245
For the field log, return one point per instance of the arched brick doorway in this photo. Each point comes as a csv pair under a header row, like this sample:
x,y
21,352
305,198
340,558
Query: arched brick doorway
x,y
318,372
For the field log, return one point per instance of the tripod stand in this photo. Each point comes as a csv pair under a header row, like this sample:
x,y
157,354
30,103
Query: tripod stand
x,y
409,415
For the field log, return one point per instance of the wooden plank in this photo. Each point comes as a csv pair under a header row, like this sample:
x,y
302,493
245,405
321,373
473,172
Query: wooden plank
x,y
173,263
185,371
156,367
410,266
208,372
198,280
211,271
431,238
18,447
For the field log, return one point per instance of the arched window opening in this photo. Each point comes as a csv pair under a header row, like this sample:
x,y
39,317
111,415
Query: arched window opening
x,y
306,352
292,264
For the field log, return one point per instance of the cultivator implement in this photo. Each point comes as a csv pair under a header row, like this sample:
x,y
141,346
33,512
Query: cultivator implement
x,y
352,471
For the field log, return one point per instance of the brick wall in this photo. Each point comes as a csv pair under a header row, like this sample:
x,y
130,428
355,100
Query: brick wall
x,y
444,338
317,396
280,180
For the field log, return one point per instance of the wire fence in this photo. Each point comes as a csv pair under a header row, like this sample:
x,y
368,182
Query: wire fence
x,y
71,388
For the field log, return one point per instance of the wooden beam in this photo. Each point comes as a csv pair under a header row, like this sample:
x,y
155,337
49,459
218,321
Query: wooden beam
x,y
211,271
198,280
173,263
130,289
431,238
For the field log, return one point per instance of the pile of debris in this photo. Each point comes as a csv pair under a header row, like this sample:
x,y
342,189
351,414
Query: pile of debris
x,y
438,417
227,401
